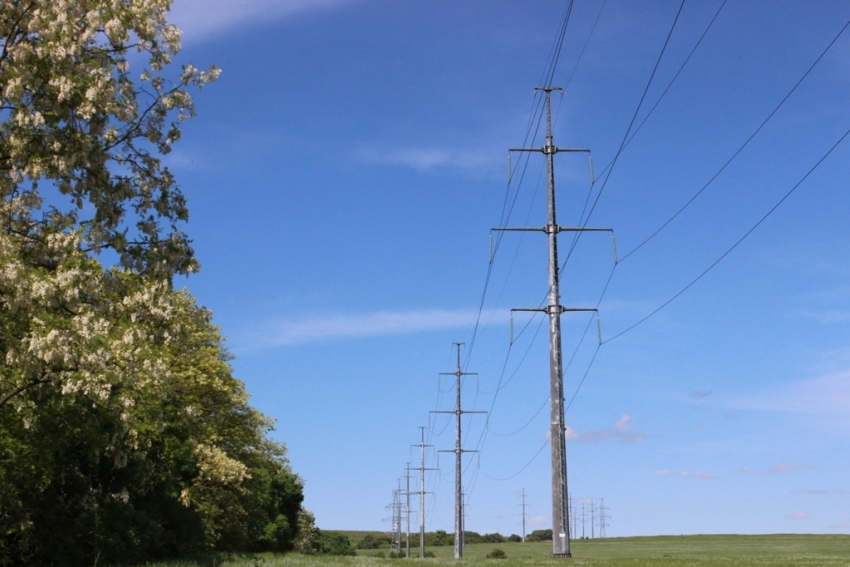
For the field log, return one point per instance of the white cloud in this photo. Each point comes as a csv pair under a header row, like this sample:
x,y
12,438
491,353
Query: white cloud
x,y
747,470
201,19
335,326
783,467
684,472
798,516
622,430
428,159
824,396
818,491
701,393
539,521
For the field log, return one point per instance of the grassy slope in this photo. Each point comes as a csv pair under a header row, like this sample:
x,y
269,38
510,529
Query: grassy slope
x,y
782,550
692,547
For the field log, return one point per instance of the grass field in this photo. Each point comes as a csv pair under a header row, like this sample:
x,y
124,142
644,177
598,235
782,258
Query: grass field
x,y
667,551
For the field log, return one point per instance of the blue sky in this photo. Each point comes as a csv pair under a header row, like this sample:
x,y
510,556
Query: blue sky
x,y
343,177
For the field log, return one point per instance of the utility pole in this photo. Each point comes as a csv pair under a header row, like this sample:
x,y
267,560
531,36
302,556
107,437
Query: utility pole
x,y
572,514
422,492
523,515
407,496
395,507
592,520
602,517
560,511
458,451
582,520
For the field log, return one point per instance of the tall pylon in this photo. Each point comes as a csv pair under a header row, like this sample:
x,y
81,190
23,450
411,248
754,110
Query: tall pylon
x,y
560,507
592,520
458,451
422,492
395,507
602,518
407,509
523,515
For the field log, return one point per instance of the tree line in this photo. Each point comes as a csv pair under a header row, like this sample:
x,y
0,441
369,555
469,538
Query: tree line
x,y
442,538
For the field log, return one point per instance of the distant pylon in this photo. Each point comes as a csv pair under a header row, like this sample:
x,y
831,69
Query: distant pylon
x,y
458,451
602,518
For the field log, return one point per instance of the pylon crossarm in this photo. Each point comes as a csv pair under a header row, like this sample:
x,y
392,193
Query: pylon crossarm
x,y
583,229
522,229
549,150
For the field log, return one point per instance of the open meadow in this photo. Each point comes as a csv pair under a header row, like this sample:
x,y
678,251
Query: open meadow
x,y
782,550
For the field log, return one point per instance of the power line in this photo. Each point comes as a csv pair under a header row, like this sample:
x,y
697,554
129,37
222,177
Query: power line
x,y
628,130
739,241
744,145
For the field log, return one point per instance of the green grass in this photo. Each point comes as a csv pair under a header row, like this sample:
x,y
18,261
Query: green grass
x,y
666,551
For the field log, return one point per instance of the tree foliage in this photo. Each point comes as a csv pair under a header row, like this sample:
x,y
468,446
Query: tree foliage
x,y
76,117
124,436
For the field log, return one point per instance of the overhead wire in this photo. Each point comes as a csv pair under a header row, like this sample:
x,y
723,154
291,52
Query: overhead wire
x,y
577,235
744,145
737,242
693,198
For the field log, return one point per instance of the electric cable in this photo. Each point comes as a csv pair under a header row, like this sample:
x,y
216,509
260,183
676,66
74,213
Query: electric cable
x,y
744,145
735,245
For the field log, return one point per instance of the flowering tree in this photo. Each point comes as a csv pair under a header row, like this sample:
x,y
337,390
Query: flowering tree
x,y
124,436
72,116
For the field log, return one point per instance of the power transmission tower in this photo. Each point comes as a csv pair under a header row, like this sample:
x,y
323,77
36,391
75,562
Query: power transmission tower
x,y
560,511
422,492
582,520
602,517
407,507
523,515
458,451
592,520
572,515
395,511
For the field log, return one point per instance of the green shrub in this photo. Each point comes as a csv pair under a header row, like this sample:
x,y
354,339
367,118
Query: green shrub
x,y
497,554
332,543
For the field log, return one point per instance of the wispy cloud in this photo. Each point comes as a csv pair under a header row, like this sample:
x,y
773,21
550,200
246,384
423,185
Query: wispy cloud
x,y
819,491
821,395
684,472
340,326
788,467
621,430
699,394
202,19
426,160
747,470
539,521
798,516
783,467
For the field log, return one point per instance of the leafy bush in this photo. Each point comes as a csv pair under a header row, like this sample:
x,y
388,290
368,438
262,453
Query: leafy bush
x,y
497,554
539,535
514,538
332,543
